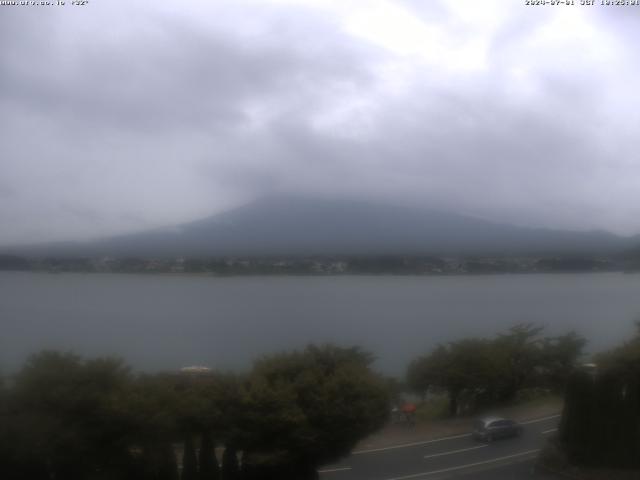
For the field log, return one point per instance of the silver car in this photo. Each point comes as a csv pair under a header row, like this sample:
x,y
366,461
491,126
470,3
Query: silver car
x,y
491,428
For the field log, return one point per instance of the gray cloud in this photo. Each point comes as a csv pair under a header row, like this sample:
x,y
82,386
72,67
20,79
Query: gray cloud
x,y
118,117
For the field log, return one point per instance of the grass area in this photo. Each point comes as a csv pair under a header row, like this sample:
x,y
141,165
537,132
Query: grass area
x,y
437,408
538,400
433,409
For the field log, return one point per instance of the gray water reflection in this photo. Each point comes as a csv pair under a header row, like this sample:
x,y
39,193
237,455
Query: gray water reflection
x,y
159,322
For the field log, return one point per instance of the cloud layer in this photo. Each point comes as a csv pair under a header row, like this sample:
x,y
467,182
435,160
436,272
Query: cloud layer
x,y
119,117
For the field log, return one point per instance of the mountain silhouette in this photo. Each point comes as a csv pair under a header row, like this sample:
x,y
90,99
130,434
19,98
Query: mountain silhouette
x,y
298,225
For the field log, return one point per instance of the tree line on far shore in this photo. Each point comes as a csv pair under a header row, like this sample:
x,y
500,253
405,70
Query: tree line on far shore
x,y
322,264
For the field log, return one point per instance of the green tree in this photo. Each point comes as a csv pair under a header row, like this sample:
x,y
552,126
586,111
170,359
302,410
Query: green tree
x,y
559,356
303,409
154,408
208,463
164,466
600,423
519,356
230,466
624,359
6,457
189,460
66,416
466,367
421,376
478,371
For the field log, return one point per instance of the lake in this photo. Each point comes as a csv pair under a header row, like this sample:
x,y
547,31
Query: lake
x,y
166,322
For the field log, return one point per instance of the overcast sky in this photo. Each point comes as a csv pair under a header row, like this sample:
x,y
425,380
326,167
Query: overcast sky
x,y
120,116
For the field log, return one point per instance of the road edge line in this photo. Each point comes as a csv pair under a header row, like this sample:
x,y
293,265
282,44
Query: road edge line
x,y
441,439
413,444
468,465
337,469
453,452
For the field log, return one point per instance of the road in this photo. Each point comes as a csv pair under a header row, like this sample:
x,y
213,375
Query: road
x,y
458,456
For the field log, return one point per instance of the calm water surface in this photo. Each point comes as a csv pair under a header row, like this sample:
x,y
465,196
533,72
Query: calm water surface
x,y
160,322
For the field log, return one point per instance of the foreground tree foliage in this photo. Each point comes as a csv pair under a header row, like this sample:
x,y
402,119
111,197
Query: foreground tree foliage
x,y
230,466
68,418
207,461
601,420
457,367
308,408
477,371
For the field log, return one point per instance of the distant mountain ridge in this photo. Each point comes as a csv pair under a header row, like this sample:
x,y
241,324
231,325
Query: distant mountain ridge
x,y
296,225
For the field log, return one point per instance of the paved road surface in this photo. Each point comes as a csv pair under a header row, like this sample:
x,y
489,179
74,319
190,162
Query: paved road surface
x,y
458,456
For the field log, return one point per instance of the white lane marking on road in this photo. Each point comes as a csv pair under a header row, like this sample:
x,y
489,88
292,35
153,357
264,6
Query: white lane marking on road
x,y
468,465
331,470
442,439
414,444
539,419
455,451
551,430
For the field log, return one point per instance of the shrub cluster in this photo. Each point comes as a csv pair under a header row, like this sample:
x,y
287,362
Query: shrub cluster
x,y
66,417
